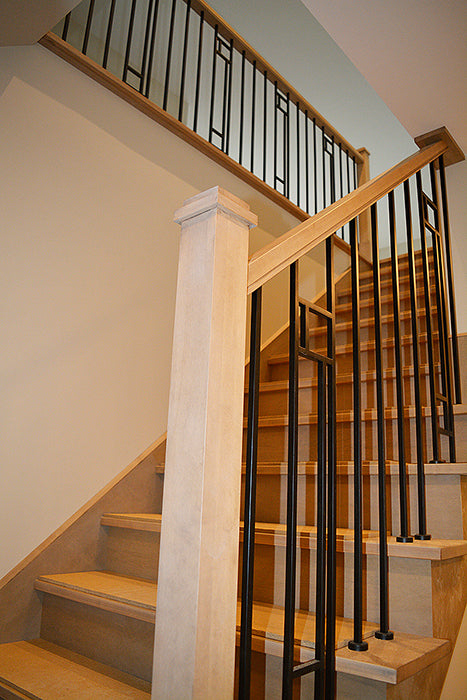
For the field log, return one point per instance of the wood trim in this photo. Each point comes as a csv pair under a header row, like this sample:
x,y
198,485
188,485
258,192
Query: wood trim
x,y
79,513
135,99
275,257
454,153
212,18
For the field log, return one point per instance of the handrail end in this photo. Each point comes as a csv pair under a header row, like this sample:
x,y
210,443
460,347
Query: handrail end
x,y
454,154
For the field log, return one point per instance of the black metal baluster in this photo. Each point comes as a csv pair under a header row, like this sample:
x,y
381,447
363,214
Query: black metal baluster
x,y
333,172
87,31
321,535
307,164
198,71
298,153
291,536
452,299
287,150
185,50
429,329
265,100
169,56
443,336
229,69
323,155
341,182
151,49
242,101
213,83
315,169
354,173
330,667
108,34
422,533
404,536
142,75
383,632
275,134
250,499
357,643
348,171
66,26
128,41
253,113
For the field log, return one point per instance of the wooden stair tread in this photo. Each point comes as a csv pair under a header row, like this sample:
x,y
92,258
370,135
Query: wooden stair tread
x,y
369,322
386,299
275,534
150,522
43,671
133,597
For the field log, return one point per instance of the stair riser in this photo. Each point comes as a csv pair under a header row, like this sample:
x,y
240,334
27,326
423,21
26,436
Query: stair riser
x,y
276,402
445,516
272,442
132,552
116,640
344,365
344,296
387,308
410,611
367,332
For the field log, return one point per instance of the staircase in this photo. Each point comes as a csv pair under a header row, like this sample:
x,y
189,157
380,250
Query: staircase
x,y
97,627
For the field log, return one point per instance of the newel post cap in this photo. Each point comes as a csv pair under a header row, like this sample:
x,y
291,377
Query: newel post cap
x,y
213,200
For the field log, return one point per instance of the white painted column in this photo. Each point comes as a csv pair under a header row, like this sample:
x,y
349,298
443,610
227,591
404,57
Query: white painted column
x,y
194,654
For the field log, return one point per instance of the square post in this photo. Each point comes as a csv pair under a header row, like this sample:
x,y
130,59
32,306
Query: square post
x,y
195,635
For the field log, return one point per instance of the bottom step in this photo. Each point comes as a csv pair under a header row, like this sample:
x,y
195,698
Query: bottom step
x,y
40,670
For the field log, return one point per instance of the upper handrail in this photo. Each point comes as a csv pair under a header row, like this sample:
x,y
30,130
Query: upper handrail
x,y
275,257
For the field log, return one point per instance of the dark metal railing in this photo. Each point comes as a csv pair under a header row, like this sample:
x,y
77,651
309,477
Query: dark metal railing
x,y
393,224
182,56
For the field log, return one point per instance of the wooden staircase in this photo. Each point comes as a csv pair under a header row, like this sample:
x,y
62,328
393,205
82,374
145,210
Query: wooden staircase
x,y
97,627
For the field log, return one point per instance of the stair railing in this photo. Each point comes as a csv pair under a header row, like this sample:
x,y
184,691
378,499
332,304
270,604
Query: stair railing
x,y
285,252
188,69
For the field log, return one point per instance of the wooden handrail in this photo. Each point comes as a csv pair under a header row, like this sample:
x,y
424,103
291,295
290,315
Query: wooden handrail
x,y
275,257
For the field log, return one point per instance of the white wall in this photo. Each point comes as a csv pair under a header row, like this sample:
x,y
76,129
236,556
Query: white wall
x,y
88,270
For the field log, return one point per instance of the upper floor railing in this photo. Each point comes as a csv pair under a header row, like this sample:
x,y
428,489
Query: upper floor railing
x,y
183,57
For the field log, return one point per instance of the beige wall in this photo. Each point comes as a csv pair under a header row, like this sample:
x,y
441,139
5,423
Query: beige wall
x,y
88,270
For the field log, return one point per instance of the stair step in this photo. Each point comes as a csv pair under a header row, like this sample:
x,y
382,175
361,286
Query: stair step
x,y
275,534
43,671
342,307
369,468
370,322
124,595
386,283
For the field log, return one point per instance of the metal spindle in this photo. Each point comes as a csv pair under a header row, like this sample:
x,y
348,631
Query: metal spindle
x,y
404,518
291,546
228,107
330,666
275,135
452,299
66,26
128,41
315,179
422,533
185,50
242,101
151,49
108,34
357,643
253,112
307,164
265,101
87,31
323,154
198,71
250,499
429,329
169,56
383,632
287,150
213,83
298,152
320,622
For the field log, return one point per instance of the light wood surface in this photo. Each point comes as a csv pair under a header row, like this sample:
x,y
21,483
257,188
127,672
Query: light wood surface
x,y
43,671
199,536
364,220
454,154
282,252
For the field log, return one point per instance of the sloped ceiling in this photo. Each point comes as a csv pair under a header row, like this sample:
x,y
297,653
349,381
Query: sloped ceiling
x,y
412,52
25,21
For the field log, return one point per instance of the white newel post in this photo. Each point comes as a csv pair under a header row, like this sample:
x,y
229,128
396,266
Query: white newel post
x,y
194,652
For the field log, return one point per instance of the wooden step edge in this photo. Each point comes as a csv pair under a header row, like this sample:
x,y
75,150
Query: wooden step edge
x,y
392,661
342,307
38,669
368,414
274,534
365,345
385,282
131,597
369,468
149,522
370,321
366,376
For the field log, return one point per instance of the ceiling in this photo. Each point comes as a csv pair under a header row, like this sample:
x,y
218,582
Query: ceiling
x,y
412,52
26,21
